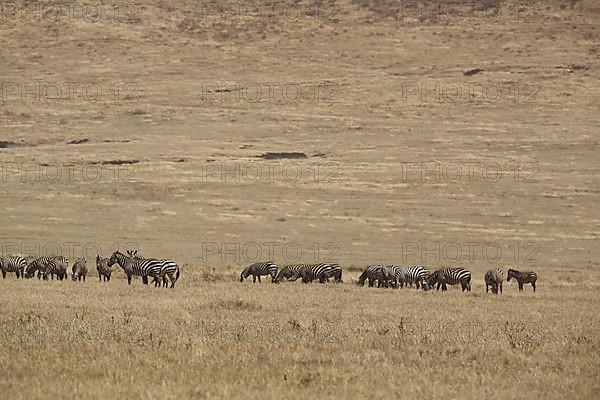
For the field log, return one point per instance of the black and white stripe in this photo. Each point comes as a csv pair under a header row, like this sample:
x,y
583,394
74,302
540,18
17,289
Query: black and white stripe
x,y
38,265
289,272
58,266
104,271
412,275
169,270
260,269
493,280
79,270
371,274
522,278
142,267
13,264
321,271
450,276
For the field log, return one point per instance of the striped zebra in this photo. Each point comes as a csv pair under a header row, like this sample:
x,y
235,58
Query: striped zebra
x,y
322,272
493,280
391,273
450,276
58,266
260,269
372,273
142,267
15,264
169,270
522,277
38,265
289,272
104,271
409,275
79,270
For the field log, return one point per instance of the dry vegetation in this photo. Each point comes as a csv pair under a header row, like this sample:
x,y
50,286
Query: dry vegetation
x,y
167,115
231,340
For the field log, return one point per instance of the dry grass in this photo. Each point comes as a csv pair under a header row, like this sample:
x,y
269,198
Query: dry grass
x,y
222,339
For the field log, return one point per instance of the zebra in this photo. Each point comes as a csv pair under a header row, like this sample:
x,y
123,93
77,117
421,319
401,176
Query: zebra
x,y
57,265
409,275
321,271
450,276
104,271
390,276
372,273
290,272
15,264
522,277
79,270
259,269
142,267
38,265
493,280
168,269
335,272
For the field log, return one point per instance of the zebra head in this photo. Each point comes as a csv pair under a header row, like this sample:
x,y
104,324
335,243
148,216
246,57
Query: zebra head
x,y
431,279
31,268
510,274
115,257
244,274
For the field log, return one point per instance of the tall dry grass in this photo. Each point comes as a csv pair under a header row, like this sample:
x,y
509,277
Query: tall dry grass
x,y
212,337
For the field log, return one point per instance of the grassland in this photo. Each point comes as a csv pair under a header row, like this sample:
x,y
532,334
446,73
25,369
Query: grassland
x,y
213,337
155,139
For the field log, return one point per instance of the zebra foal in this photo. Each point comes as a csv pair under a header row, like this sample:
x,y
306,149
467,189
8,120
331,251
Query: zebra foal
x,y
104,271
522,278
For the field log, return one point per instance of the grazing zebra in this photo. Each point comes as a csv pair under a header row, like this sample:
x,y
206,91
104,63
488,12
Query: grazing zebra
x,y
57,265
168,269
322,272
79,270
372,273
104,271
143,267
260,269
13,264
290,272
493,280
450,276
522,277
390,276
409,275
38,265
335,272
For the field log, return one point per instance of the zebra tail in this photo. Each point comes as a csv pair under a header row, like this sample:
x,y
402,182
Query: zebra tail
x,y
176,275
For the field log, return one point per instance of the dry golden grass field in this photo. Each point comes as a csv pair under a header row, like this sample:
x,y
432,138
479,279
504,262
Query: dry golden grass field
x,y
439,133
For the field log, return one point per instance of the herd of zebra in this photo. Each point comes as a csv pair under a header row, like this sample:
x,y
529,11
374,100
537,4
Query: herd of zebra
x,y
164,270
388,276
167,271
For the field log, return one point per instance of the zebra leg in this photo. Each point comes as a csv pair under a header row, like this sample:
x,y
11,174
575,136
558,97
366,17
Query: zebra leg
x,y
258,278
520,286
444,287
129,279
533,284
